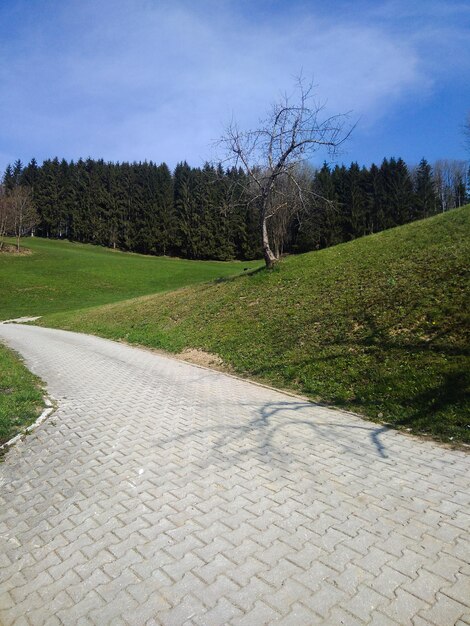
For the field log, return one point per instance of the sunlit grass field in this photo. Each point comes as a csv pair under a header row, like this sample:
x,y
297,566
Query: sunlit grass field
x,y
379,325
61,276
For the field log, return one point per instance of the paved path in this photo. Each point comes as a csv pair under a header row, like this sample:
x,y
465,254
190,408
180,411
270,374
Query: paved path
x,y
163,493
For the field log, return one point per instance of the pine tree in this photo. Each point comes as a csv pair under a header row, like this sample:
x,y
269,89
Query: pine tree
x,y
17,172
378,219
183,209
321,224
357,205
30,175
328,211
426,200
400,192
46,196
8,178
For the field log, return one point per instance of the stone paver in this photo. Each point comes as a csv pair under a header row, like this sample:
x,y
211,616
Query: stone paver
x,y
163,493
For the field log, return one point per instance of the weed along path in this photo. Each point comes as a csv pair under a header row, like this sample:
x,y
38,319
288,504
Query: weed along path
x,y
164,493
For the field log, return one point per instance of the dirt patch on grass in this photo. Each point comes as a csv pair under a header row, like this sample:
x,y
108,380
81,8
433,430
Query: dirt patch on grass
x,y
200,357
8,248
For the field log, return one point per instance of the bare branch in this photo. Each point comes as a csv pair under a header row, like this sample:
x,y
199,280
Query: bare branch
x,y
271,155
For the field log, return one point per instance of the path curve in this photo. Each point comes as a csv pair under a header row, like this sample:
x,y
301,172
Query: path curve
x,y
163,493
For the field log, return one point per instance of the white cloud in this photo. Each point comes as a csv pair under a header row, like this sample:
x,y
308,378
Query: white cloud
x,y
156,80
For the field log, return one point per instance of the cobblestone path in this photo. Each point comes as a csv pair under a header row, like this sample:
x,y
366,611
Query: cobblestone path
x,y
163,493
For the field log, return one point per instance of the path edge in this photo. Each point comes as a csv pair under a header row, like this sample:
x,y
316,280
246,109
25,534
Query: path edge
x,y
50,408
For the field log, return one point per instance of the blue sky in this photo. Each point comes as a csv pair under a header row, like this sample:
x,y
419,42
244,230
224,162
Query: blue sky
x,y
157,80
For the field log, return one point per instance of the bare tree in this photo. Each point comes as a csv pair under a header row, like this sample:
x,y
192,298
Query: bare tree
x,y
24,214
6,214
291,200
450,181
272,154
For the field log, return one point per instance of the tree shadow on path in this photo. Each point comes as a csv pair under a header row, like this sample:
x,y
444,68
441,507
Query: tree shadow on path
x,y
299,427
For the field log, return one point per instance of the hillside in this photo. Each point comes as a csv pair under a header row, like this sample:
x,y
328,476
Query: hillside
x,y
51,275
378,325
60,276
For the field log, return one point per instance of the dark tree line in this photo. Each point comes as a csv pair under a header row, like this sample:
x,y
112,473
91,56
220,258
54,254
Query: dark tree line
x,y
352,202
141,207
204,213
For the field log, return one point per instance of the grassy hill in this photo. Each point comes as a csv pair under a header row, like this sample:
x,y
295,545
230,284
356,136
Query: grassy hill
x,y
60,276
379,325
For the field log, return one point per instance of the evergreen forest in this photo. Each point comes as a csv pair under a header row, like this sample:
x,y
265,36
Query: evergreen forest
x,y
207,213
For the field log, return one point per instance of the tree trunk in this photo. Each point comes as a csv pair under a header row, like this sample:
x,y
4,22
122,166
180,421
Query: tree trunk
x,y
269,258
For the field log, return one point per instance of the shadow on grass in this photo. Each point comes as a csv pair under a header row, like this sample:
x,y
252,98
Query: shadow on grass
x,y
452,392
246,272
423,385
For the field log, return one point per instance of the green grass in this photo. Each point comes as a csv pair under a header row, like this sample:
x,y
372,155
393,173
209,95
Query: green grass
x,y
21,398
61,276
379,325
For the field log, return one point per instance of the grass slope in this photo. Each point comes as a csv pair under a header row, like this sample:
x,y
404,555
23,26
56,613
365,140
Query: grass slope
x,y
60,276
20,395
378,325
